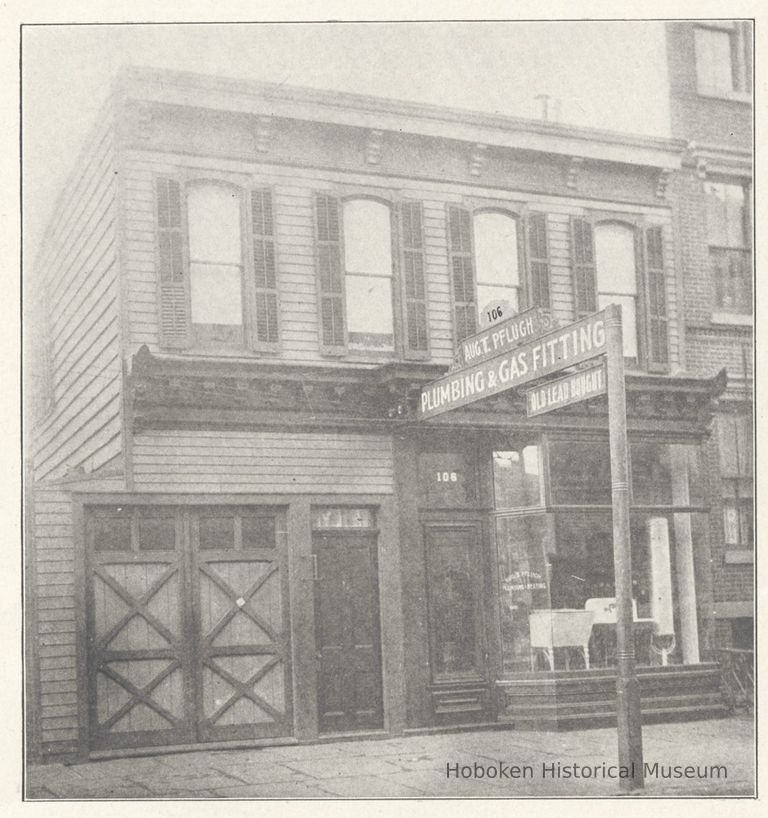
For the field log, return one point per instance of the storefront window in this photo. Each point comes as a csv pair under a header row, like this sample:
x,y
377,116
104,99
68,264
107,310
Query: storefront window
x,y
517,477
580,472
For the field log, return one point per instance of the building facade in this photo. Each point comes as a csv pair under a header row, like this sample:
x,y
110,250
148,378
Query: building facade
x,y
710,78
239,529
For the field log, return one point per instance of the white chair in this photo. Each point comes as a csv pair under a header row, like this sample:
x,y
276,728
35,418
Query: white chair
x,y
563,628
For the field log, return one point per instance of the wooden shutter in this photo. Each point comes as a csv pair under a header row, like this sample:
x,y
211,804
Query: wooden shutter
x,y
583,267
265,332
172,271
538,259
414,281
658,344
462,271
329,274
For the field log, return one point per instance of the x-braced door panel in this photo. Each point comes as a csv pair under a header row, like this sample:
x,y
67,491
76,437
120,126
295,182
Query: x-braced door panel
x,y
187,626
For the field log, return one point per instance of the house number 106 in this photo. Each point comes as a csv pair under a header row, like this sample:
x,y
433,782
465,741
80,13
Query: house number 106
x,y
447,477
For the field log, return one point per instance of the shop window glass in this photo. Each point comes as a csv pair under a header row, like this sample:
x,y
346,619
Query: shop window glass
x,y
496,259
580,472
517,477
368,275
343,518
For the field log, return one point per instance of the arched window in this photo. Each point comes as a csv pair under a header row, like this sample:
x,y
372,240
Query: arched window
x,y
215,263
617,277
367,235
497,259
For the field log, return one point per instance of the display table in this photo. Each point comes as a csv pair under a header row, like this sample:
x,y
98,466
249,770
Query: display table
x,y
559,628
604,610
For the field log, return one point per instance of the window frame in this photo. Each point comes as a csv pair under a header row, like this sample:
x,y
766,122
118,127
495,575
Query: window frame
x,y
393,200
719,311
739,37
639,224
245,185
520,212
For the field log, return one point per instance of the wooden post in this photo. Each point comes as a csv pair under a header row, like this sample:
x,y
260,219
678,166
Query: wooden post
x,y
627,687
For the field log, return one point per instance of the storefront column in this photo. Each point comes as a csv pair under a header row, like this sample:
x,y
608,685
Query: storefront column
x,y
686,578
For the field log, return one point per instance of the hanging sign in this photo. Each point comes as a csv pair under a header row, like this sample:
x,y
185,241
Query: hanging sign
x,y
545,355
572,388
502,336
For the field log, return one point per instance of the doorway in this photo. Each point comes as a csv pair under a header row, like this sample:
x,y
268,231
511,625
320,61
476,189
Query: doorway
x,y
187,625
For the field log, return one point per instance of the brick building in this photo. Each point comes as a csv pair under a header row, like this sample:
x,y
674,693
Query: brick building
x,y
710,76
238,527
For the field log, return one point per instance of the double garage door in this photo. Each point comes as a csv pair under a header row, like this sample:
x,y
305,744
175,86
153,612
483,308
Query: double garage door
x,y
187,625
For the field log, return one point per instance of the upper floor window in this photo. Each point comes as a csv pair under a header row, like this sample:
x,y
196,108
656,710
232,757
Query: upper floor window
x,y
729,236
617,277
618,263
496,256
372,299
368,275
722,52
217,268
215,264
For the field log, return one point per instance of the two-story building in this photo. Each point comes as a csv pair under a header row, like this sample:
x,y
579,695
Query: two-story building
x,y
710,82
238,528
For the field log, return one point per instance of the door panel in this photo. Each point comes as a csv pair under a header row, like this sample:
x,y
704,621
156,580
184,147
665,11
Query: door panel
x,y
347,632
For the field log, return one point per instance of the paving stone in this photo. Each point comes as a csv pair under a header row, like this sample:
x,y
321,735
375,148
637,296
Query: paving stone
x,y
284,790
336,767
369,787
254,773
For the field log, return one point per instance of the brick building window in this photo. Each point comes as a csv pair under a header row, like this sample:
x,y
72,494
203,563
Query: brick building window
x,y
736,460
722,58
730,252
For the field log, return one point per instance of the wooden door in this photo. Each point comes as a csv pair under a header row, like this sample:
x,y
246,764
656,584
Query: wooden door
x,y
139,658
187,626
242,654
347,632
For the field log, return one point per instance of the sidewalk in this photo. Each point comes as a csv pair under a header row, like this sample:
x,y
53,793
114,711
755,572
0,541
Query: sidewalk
x,y
415,767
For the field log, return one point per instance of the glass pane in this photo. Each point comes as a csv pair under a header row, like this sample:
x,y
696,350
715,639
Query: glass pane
x,y
496,249
628,320
453,602
725,214
343,518
157,533
213,215
580,472
217,532
369,310
112,533
524,544
217,296
714,66
259,532
652,475
367,237
516,478
615,259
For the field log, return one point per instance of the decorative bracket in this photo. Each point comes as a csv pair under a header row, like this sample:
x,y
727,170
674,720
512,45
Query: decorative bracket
x,y
573,171
665,174
263,133
373,147
143,125
701,167
478,159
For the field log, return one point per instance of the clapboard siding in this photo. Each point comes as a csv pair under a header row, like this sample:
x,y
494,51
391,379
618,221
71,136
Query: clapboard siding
x,y
293,201
55,618
271,462
78,268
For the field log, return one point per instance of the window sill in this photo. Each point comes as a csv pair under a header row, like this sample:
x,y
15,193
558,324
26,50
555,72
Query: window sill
x,y
720,93
735,319
738,556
